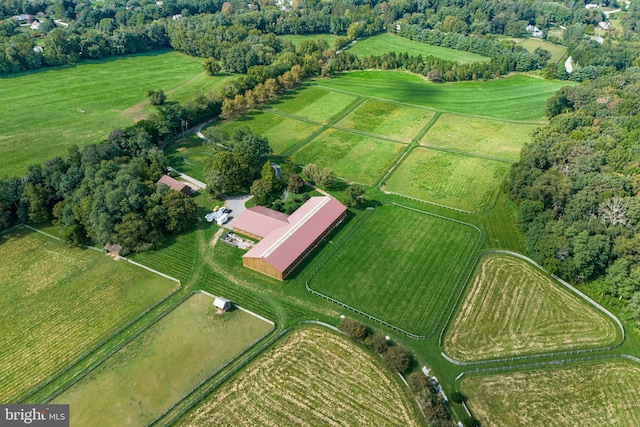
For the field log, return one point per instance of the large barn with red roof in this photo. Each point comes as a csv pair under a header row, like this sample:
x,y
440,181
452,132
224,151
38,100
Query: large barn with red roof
x,y
287,239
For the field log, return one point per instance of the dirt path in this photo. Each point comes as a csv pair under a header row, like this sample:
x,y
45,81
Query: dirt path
x,y
216,237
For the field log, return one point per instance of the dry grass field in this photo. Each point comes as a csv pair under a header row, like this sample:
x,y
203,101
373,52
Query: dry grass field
x,y
314,377
585,395
58,302
514,308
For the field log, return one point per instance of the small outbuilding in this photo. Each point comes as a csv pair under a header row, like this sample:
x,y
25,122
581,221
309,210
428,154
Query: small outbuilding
x,y
174,184
222,304
113,249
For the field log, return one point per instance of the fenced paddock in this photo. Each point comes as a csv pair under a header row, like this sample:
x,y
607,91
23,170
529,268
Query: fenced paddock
x,y
57,303
400,266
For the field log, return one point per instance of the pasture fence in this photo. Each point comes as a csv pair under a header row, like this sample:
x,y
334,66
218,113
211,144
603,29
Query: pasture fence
x,y
546,364
429,203
202,390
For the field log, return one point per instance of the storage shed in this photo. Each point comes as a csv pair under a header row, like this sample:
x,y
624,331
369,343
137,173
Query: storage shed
x,y
222,303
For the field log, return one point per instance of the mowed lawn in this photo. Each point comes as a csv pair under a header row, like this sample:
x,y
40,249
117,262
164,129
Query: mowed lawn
x,y
557,52
313,377
155,370
536,315
517,97
58,302
42,113
449,179
400,266
313,103
282,132
595,394
296,39
385,43
189,155
387,119
351,156
479,136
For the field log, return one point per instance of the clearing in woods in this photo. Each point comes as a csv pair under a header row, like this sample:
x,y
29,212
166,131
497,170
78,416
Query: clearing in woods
x,y
450,179
479,136
400,266
59,302
156,369
513,308
312,377
557,52
351,156
594,394
384,43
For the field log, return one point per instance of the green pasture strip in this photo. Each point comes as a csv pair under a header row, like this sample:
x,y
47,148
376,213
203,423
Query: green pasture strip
x,y
537,315
296,39
200,84
351,156
596,393
499,226
282,132
313,376
386,43
59,302
313,103
473,135
516,98
42,113
387,119
400,266
189,154
557,52
159,366
455,180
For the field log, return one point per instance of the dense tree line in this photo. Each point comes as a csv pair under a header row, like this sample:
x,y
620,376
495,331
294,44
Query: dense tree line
x,y
103,192
577,187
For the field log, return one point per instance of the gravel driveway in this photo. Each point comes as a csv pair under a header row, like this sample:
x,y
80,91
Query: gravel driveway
x,y
236,204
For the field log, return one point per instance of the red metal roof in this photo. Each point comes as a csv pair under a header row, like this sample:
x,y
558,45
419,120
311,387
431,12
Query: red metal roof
x,y
282,247
173,184
260,221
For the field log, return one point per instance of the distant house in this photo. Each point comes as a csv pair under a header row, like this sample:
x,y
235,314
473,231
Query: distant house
x,y
599,39
176,16
35,25
174,184
591,6
38,49
113,249
604,25
287,239
222,304
22,17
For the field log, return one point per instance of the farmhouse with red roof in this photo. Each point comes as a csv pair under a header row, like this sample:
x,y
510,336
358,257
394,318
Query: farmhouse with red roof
x,y
287,240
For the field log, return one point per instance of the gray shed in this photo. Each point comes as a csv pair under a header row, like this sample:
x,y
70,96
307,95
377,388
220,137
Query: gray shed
x,y
222,303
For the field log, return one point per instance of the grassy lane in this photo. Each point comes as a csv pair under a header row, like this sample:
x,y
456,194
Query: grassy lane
x,y
383,43
42,113
536,315
519,98
584,395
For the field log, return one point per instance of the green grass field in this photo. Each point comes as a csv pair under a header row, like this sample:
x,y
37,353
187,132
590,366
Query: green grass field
x,y
479,136
297,38
313,103
387,119
517,97
312,377
584,395
557,52
536,315
351,156
282,132
400,266
454,180
57,303
156,369
383,43
43,113
189,155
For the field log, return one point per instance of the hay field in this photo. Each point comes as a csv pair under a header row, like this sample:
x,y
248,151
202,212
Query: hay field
x,y
351,156
596,394
156,369
479,136
513,308
557,52
58,302
455,180
314,377
400,266
313,103
387,119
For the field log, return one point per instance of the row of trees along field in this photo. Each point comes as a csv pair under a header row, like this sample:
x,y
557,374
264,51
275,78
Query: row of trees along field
x,y
577,187
221,29
104,192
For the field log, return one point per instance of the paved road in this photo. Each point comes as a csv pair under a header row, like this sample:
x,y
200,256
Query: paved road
x,y
197,185
568,65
